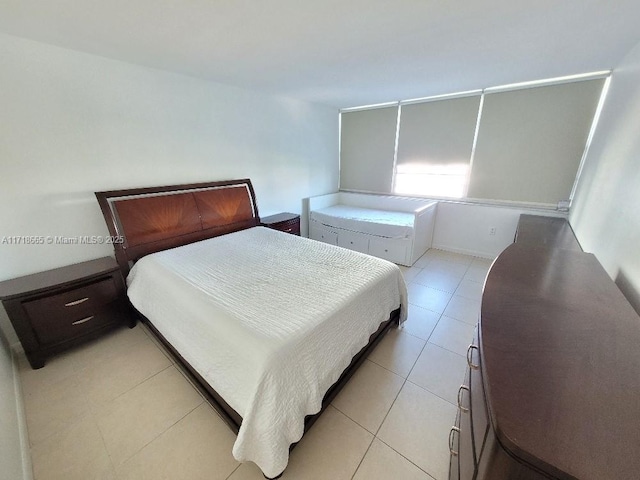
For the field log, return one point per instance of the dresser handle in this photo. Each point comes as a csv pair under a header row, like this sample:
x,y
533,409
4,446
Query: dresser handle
x,y
84,320
288,230
457,430
462,409
76,302
472,365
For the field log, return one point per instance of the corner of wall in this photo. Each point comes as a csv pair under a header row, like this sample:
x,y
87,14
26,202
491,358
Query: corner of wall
x,y
604,214
27,467
15,456
628,289
7,329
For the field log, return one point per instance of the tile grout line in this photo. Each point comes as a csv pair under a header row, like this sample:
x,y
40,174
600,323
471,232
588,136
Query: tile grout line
x,y
104,444
403,384
407,459
65,428
391,406
406,379
399,453
93,407
373,438
427,342
432,393
157,436
94,414
234,470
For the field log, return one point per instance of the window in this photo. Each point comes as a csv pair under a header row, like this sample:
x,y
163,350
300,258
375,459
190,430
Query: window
x,y
531,141
367,146
521,143
432,180
435,140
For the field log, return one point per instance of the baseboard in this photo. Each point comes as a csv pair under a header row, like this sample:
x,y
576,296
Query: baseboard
x,y
27,467
463,251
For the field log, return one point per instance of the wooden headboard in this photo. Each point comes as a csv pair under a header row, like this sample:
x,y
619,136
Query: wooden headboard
x,y
147,220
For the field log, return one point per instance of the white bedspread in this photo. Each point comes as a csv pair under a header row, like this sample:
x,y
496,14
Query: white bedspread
x,y
374,222
270,320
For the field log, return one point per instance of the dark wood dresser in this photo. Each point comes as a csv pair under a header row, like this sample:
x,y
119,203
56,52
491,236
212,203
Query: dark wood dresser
x,y
553,384
285,222
551,232
54,310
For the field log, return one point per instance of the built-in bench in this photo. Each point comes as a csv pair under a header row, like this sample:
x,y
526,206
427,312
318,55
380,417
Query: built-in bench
x,y
397,229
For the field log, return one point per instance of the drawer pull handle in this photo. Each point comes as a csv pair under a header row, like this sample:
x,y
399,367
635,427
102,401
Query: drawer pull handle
x,y
472,365
451,432
288,230
462,387
84,320
76,302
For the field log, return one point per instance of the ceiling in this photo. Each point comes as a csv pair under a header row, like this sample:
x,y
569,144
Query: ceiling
x,y
341,53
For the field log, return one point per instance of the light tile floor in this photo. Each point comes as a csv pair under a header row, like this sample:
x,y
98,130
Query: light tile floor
x,y
119,408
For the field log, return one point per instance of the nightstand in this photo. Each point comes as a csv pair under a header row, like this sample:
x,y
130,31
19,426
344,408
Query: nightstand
x,y
54,310
285,222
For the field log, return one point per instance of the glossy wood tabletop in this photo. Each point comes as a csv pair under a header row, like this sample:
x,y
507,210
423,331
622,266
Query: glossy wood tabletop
x,y
58,277
542,231
561,361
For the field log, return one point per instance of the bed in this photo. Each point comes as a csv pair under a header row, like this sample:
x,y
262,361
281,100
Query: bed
x,y
270,326
398,229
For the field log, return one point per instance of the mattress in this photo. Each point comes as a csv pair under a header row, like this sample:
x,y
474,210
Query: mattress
x,y
270,321
382,223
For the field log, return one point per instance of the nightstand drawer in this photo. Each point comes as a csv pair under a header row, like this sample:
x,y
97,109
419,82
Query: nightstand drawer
x,y
292,227
74,303
50,329
285,222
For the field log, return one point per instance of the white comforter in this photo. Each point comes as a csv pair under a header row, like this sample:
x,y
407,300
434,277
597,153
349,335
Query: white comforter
x,y
270,320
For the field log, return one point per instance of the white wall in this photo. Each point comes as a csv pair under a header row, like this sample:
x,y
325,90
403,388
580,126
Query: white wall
x,y
464,227
606,211
74,123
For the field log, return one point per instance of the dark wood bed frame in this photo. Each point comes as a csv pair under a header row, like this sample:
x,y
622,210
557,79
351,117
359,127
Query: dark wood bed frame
x,y
147,220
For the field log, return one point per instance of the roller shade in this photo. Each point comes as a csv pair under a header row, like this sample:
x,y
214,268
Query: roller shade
x,y
435,140
367,148
530,142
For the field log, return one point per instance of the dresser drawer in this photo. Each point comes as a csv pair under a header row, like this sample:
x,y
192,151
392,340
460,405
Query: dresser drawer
x,y
75,311
466,452
353,241
49,330
454,448
74,303
323,234
479,414
393,250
